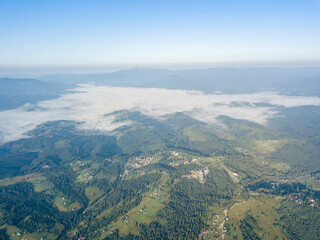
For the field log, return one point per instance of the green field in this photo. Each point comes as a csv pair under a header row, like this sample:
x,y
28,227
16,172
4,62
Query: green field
x,y
174,178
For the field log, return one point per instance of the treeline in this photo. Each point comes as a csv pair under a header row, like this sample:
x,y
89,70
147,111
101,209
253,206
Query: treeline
x,y
249,227
278,188
185,215
300,222
4,235
23,207
65,181
302,154
284,189
120,199
54,144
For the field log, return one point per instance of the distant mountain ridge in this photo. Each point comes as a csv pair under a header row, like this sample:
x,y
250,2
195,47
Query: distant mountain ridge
x,y
227,80
16,92
290,81
308,86
27,86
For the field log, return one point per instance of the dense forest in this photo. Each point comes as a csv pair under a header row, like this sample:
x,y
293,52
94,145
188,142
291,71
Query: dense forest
x,y
176,178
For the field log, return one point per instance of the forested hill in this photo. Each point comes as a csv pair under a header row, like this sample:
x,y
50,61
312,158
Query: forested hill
x,y
174,178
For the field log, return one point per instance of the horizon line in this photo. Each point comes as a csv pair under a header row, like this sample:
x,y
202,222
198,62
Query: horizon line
x,y
163,64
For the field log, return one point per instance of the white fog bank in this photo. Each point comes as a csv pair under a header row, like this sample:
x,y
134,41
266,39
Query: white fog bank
x,y
90,104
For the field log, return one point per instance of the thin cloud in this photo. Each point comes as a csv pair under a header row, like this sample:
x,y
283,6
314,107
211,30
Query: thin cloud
x,y
92,105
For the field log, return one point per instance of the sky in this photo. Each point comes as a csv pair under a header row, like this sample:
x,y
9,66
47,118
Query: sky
x,y
96,107
75,33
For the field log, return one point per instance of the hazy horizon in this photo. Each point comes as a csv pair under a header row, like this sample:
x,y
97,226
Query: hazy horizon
x,y
39,71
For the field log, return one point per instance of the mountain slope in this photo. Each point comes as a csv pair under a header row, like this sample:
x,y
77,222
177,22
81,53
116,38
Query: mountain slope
x,y
16,92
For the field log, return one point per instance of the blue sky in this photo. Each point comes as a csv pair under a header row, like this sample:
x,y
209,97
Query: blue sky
x,y
157,31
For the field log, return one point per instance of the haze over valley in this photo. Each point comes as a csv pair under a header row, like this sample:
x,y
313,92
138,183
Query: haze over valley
x,y
96,107
139,120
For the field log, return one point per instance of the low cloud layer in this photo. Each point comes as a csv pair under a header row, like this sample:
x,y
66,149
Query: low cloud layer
x,y
91,105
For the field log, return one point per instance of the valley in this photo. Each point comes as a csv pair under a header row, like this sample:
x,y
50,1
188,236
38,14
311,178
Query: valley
x,y
156,179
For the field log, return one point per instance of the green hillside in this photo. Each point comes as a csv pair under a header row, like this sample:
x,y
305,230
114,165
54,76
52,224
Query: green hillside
x,y
175,178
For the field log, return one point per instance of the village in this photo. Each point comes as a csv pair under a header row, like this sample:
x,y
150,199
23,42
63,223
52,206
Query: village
x,y
296,198
140,161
